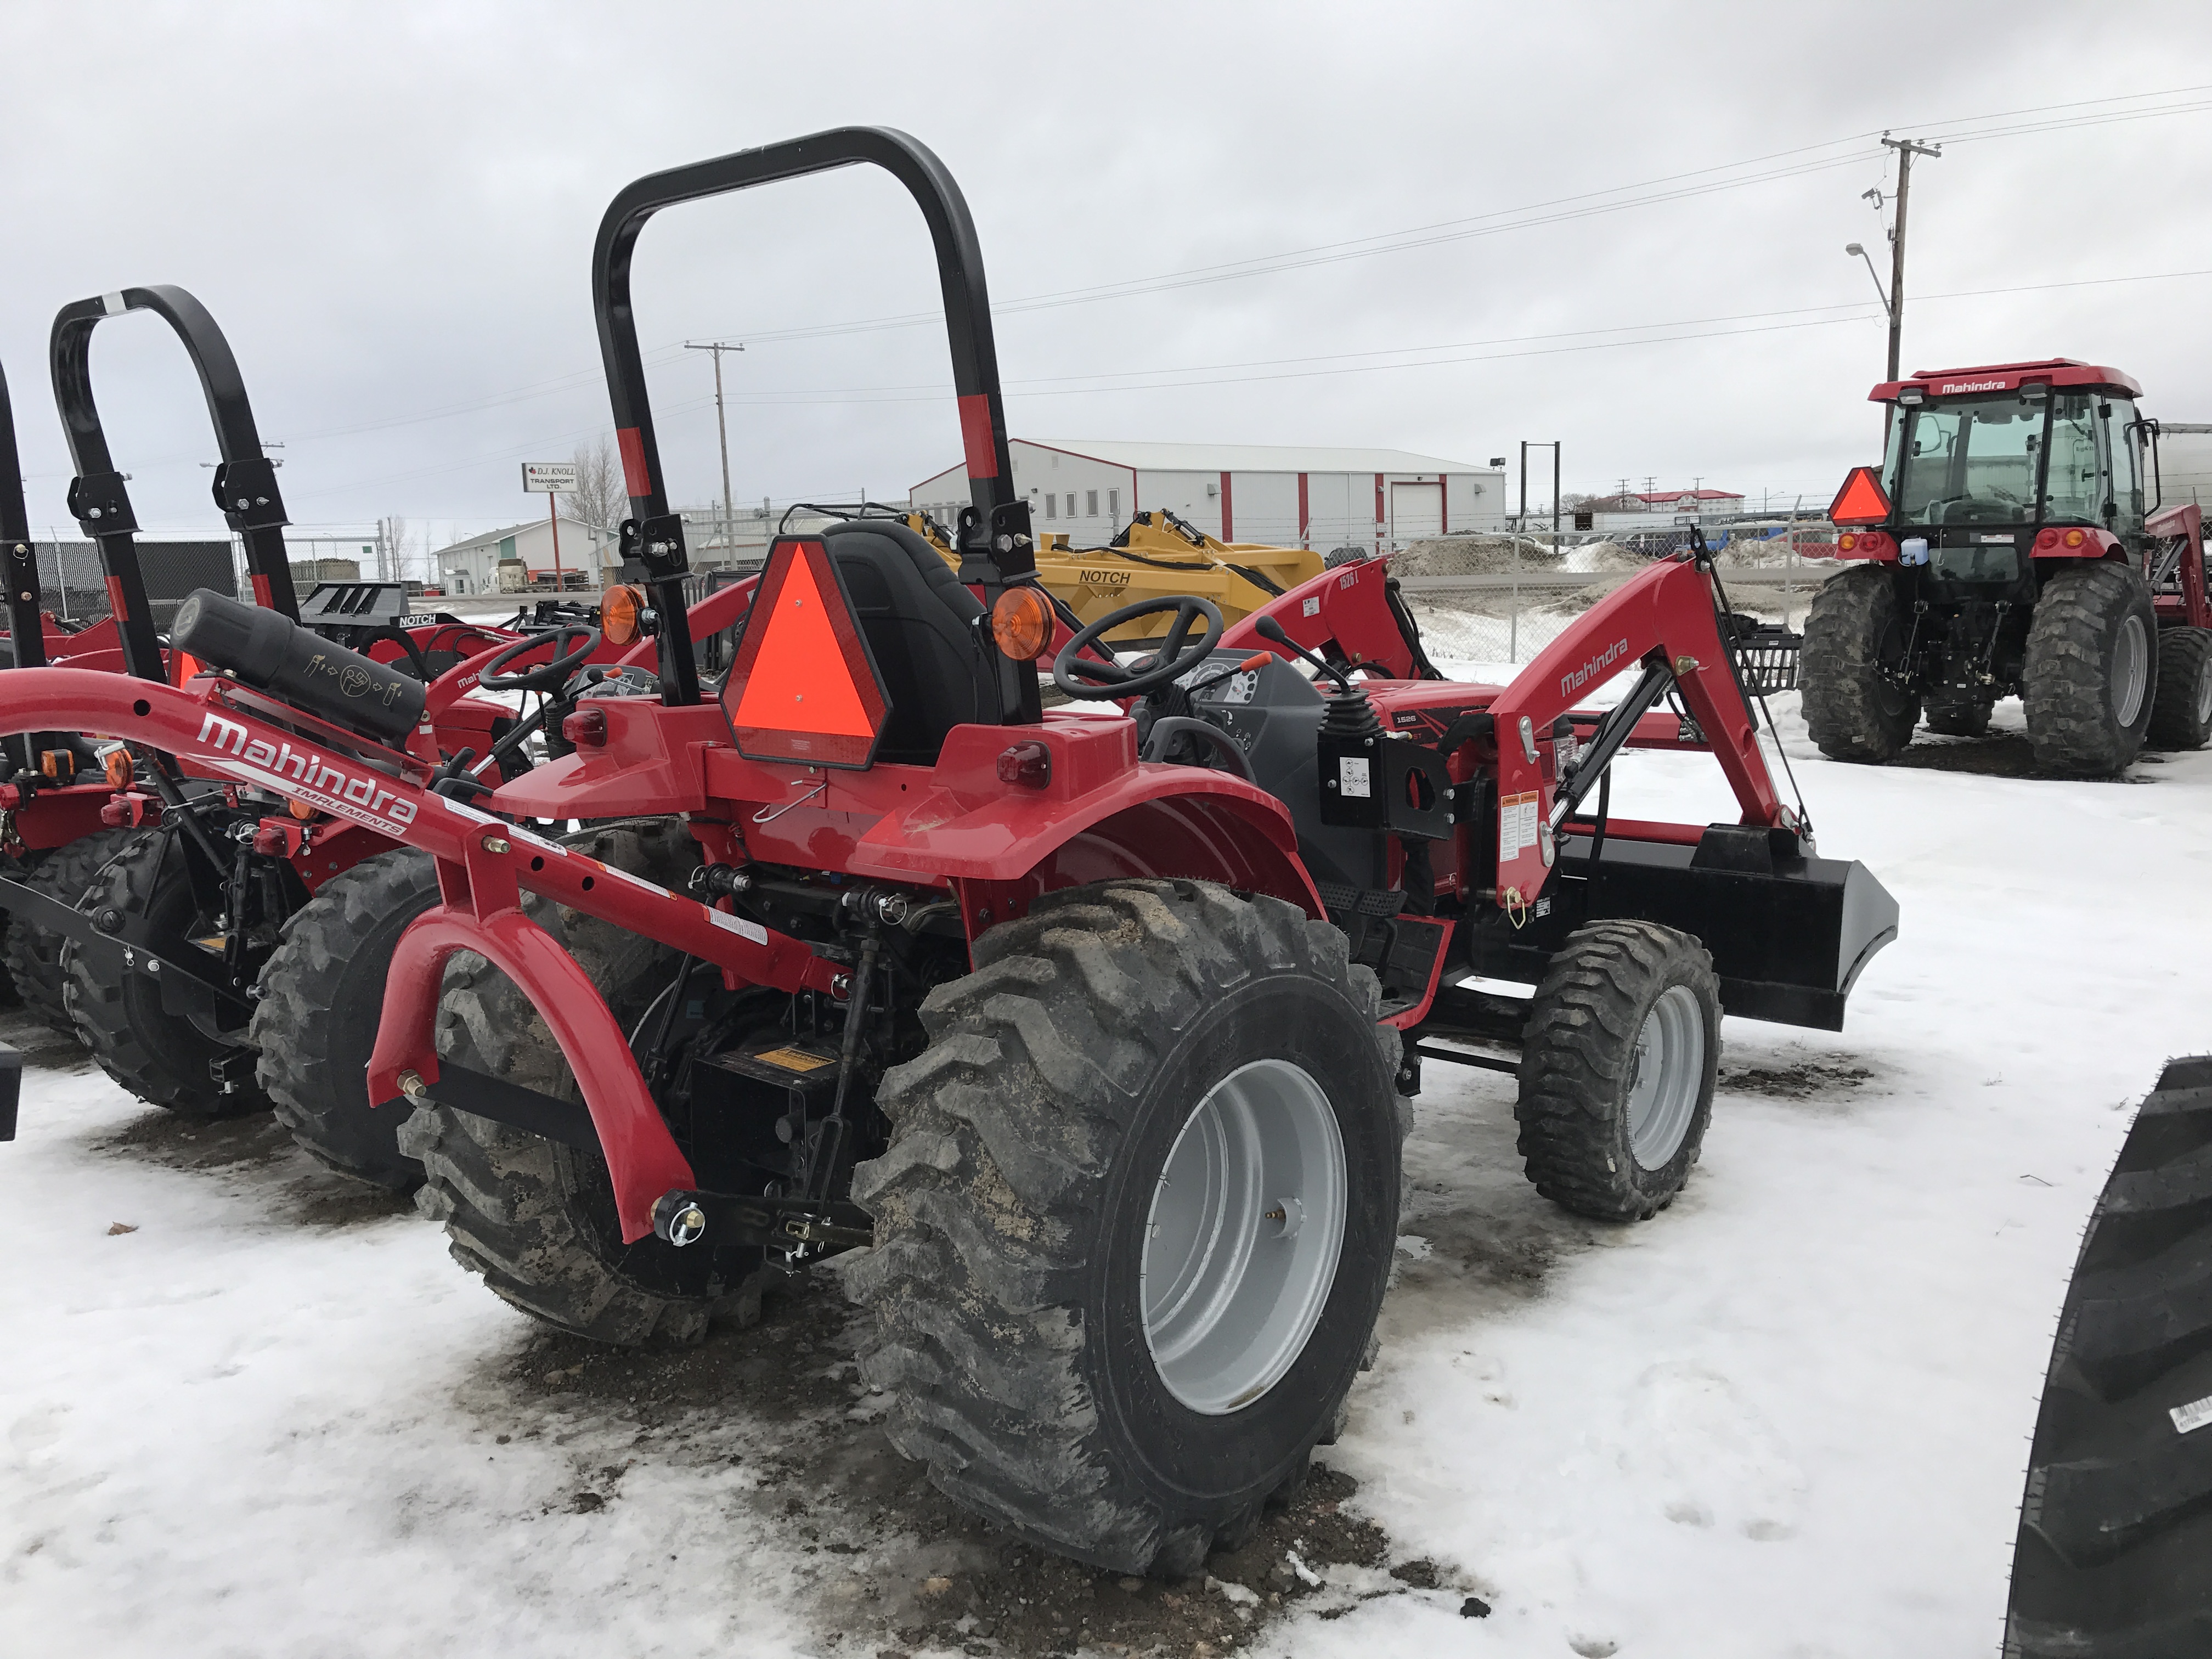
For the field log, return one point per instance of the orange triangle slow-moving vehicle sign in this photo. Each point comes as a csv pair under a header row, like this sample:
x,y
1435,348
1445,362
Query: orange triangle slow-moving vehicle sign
x,y
1862,500
803,686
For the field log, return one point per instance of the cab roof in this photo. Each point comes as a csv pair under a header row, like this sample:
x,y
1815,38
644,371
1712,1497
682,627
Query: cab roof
x,y
2007,377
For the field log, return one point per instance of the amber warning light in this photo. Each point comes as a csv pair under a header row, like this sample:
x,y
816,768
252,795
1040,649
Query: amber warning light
x,y
804,687
1861,501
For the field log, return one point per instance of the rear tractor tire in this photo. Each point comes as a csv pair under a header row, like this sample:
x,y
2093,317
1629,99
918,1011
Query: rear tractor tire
x,y
2181,711
165,1057
33,954
322,999
1855,636
537,1218
2117,1524
2090,670
1618,1064
1135,1218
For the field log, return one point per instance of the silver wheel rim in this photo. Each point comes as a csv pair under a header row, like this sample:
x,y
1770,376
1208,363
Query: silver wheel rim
x,y
2205,693
1242,1242
1666,1076
2130,670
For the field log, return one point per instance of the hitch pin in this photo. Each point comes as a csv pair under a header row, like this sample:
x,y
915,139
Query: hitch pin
x,y
768,815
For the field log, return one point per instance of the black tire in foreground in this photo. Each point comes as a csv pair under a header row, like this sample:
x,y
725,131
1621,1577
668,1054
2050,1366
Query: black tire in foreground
x,y
322,997
537,1218
164,1056
2090,670
1135,1219
33,954
1969,718
1618,1062
2181,710
1855,635
2114,1559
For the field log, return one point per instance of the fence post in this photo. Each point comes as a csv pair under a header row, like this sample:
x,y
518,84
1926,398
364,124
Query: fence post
x,y
1513,627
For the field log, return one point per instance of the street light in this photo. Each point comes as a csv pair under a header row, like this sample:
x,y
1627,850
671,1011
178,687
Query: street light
x,y
1854,248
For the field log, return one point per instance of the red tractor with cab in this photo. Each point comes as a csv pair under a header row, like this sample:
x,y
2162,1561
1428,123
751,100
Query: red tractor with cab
x,y
1094,1025
2013,543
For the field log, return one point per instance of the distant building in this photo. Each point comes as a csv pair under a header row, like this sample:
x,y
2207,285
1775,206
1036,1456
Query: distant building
x,y
472,566
1284,495
1646,509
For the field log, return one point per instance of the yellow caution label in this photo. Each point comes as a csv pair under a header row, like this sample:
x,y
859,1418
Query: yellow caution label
x,y
796,1059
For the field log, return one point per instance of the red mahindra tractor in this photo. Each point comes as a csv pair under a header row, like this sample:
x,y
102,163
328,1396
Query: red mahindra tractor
x,y
1094,1024
2013,543
155,850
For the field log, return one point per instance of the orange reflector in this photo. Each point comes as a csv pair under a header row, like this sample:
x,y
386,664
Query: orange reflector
x,y
618,609
804,687
118,769
182,666
1021,622
301,809
2075,538
1846,543
1861,501
60,765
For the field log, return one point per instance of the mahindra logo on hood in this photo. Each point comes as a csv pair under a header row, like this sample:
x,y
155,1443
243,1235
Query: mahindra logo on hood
x,y
1572,682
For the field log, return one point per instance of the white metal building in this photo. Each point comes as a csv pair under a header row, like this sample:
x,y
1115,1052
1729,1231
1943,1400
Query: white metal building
x,y
472,566
1287,496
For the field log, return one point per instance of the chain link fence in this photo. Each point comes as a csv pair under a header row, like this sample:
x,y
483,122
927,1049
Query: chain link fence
x,y
1492,602
74,584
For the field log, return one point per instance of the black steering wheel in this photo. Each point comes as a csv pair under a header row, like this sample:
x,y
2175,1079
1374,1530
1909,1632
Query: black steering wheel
x,y
546,675
1079,675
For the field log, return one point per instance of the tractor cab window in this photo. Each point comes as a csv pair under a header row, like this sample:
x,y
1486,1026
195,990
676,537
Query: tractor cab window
x,y
1968,461
2073,489
2124,439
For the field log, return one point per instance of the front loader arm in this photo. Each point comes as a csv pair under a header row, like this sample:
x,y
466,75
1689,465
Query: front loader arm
x,y
1664,621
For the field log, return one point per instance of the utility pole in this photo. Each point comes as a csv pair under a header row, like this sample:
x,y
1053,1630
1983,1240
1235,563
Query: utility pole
x,y
722,428
1906,148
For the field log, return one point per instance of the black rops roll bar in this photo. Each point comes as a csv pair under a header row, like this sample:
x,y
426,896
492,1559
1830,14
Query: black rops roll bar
x,y
245,480
993,535
21,561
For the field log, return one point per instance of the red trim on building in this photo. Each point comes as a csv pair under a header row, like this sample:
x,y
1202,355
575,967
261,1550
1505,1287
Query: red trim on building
x,y
1444,503
1228,518
1380,518
976,436
1305,518
636,479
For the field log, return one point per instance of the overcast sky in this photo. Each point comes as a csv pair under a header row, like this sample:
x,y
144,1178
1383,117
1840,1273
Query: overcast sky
x,y
1440,228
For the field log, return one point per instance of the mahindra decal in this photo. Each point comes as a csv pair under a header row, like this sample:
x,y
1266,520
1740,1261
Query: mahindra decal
x,y
1590,672
1970,385
303,775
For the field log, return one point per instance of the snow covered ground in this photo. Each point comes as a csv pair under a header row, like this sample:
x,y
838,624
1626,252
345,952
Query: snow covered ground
x,y
1787,1418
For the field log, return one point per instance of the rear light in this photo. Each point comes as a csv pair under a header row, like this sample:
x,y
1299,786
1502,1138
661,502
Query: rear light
x,y
2046,541
117,763
619,608
1846,543
587,728
1028,764
2076,537
60,765
1021,622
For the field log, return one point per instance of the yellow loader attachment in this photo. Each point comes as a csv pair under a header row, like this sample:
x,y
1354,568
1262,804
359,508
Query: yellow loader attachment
x,y
1158,556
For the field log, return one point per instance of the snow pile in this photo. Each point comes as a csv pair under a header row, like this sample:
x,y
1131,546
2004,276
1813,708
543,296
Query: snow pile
x,y
1787,1417
1473,555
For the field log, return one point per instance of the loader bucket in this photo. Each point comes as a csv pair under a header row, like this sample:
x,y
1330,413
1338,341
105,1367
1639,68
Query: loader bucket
x,y
1789,934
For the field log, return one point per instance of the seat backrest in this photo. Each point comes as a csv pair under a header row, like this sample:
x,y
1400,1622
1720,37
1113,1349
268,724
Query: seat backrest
x,y
926,632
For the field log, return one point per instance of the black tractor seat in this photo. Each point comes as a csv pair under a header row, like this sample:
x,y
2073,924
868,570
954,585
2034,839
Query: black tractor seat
x,y
926,632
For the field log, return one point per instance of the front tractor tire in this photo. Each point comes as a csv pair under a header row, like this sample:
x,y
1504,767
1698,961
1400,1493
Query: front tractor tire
x,y
534,1217
322,999
2181,710
1855,636
2090,670
1618,1063
1135,1218
166,1056
33,956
